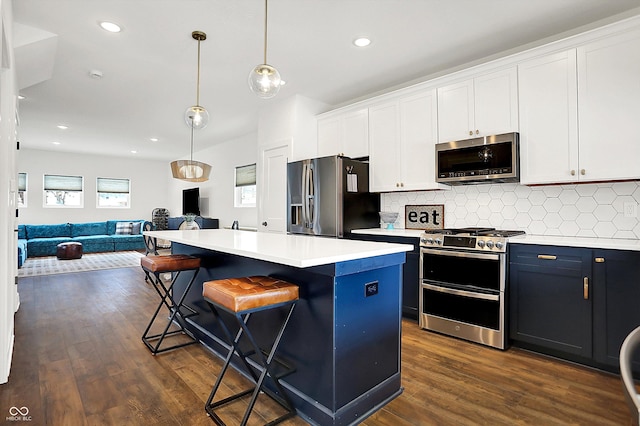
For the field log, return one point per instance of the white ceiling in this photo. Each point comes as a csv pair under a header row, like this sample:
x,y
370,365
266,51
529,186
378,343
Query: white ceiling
x,y
149,69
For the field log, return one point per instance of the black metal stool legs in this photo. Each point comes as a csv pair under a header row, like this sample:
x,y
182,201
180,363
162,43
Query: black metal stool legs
x,y
265,367
177,312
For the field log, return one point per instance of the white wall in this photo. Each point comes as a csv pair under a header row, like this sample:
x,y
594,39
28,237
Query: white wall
x,y
216,194
9,300
148,185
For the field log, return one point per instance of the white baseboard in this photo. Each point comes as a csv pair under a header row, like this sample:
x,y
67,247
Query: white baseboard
x,y
4,377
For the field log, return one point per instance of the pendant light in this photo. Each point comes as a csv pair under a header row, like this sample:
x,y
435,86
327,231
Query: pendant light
x,y
196,118
190,170
264,80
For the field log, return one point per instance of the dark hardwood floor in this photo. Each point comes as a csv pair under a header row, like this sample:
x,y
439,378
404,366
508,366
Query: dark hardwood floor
x,y
78,360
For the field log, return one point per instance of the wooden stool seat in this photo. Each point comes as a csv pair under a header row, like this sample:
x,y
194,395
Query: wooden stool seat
x,y
241,294
69,250
169,263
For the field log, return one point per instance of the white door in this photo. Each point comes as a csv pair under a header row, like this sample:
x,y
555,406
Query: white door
x,y
272,213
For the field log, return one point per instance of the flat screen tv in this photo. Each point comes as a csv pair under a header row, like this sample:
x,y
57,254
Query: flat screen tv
x,y
191,201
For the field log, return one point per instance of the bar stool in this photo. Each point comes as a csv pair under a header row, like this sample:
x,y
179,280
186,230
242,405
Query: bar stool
x,y
153,267
242,297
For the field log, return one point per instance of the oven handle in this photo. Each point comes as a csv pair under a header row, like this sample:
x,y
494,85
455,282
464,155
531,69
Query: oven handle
x,y
487,256
456,292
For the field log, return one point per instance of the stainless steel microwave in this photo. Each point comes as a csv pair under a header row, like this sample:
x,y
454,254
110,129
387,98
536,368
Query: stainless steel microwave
x,y
489,159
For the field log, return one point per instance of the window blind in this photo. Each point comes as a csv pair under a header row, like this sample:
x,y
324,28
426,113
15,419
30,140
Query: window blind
x,y
62,183
22,181
113,186
246,175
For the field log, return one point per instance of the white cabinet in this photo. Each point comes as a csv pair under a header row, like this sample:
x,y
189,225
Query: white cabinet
x,y
548,98
402,138
344,133
578,113
484,105
609,107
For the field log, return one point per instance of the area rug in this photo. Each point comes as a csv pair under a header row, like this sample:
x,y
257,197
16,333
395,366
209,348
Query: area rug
x,y
49,265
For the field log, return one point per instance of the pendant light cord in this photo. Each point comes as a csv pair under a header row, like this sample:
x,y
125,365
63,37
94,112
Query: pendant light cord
x,y
191,156
266,8
197,82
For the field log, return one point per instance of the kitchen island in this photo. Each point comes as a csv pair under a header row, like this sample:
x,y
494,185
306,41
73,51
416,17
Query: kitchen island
x,y
344,336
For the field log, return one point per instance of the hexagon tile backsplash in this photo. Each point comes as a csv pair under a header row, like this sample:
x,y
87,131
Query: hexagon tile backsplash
x,y
584,210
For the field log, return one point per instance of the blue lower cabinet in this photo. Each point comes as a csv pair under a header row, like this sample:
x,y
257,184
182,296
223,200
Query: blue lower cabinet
x,y
548,304
574,303
616,275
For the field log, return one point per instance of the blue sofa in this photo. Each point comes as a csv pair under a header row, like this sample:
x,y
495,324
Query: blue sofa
x,y
42,240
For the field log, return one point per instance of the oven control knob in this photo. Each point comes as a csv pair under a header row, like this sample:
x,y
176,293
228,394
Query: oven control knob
x,y
437,241
489,244
499,245
481,244
423,240
430,240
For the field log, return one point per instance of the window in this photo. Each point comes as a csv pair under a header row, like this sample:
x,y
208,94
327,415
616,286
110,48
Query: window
x,y
245,186
22,190
113,193
63,191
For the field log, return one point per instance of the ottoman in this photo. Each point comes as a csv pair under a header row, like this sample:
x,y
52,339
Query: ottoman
x,y
70,250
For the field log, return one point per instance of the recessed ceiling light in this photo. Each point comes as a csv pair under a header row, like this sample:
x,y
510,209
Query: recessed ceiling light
x,y
56,143
133,151
62,127
110,26
153,139
362,42
21,97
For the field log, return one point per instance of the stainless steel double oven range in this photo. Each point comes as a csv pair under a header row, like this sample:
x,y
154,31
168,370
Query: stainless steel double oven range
x,y
463,275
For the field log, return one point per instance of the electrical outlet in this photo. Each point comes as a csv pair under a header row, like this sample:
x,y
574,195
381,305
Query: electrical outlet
x,y
371,289
630,209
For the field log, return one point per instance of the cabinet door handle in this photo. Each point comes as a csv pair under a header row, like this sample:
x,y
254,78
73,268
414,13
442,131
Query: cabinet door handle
x,y
599,259
547,257
573,172
470,132
583,172
477,132
585,288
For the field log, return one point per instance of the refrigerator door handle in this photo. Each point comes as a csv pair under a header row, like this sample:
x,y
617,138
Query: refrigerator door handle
x,y
311,195
305,193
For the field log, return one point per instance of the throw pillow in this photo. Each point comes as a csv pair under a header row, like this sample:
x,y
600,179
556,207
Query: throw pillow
x,y
136,228
124,228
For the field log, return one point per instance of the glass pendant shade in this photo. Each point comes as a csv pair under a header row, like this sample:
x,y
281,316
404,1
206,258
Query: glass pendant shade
x,y
196,117
264,81
190,170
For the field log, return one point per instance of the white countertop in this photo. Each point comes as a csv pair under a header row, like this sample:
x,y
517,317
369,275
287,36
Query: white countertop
x,y
550,240
586,242
294,250
396,232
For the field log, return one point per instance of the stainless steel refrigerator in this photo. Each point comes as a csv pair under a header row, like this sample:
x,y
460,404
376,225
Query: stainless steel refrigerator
x,y
329,196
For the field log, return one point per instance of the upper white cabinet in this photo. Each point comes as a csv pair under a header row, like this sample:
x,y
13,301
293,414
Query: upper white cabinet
x,y
402,138
578,113
548,98
484,105
609,107
344,133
